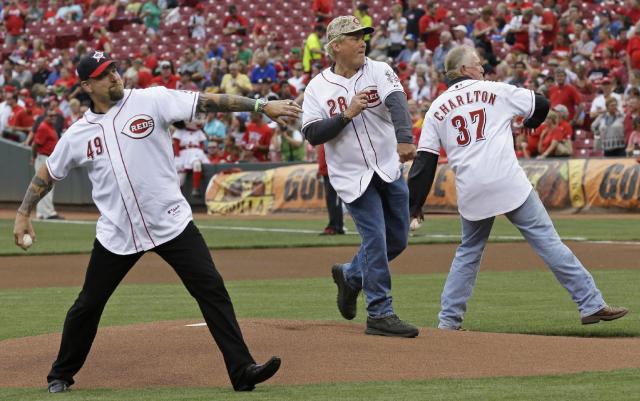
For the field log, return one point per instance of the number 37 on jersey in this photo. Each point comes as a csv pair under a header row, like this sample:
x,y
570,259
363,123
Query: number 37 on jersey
x,y
464,123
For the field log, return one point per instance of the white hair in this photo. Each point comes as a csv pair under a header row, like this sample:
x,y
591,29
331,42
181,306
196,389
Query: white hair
x,y
456,58
328,48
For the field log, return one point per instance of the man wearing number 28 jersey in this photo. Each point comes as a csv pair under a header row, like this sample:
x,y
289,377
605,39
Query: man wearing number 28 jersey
x,y
358,109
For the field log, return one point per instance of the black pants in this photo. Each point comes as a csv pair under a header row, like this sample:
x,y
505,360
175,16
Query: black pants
x,y
334,206
189,256
616,152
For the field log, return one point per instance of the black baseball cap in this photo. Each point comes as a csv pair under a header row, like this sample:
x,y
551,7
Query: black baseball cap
x,y
93,64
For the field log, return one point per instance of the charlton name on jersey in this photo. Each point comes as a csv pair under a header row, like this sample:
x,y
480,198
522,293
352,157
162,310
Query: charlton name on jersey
x,y
460,100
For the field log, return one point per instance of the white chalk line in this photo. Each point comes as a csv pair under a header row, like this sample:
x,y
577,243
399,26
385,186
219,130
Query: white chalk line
x,y
316,232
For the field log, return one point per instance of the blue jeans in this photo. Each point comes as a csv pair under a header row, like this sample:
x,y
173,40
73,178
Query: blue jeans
x,y
536,226
381,215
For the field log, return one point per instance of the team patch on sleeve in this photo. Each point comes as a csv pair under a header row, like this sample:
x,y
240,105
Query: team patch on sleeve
x,y
392,77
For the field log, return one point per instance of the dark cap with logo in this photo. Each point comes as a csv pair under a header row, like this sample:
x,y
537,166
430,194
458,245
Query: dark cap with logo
x,y
93,64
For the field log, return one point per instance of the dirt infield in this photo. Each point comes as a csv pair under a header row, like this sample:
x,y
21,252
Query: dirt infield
x,y
68,270
172,354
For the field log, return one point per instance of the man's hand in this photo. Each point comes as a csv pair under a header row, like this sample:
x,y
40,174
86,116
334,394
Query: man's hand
x,y
415,224
358,103
21,227
276,109
406,151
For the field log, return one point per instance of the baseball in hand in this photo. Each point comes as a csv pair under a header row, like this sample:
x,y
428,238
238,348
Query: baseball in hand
x,y
27,241
415,224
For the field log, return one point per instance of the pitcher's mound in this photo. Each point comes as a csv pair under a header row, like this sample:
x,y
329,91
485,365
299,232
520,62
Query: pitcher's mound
x,y
176,355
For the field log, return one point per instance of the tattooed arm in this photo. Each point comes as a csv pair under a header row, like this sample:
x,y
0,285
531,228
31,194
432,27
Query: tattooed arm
x,y
225,103
39,187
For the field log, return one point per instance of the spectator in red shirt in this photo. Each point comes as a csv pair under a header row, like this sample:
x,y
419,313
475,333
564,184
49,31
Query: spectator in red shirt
x,y
633,50
633,11
144,74
257,138
563,121
148,57
430,27
234,24
632,112
322,9
137,75
260,27
104,10
13,21
167,77
67,79
13,130
530,147
102,42
548,24
605,40
24,119
229,154
564,93
551,138
521,34
483,28
521,4
44,141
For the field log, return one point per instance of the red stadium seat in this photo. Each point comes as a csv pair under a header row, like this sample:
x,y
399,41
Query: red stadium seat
x,y
581,153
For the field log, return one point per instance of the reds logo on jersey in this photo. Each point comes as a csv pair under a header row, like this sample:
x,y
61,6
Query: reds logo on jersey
x,y
139,126
373,99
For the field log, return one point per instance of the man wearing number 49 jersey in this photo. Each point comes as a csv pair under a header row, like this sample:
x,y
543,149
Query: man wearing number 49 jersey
x,y
124,143
472,122
358,109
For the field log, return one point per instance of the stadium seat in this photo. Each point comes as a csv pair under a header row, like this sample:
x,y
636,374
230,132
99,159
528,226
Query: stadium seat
x,y
581,153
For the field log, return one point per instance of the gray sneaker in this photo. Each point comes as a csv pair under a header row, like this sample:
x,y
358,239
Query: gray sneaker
x,y
58,386
347,295
391,326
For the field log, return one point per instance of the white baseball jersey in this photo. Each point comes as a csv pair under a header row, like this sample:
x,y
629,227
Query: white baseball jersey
x,y
368,144
190,150
128,154
472,121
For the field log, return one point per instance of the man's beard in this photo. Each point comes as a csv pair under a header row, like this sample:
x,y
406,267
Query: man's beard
x,y
116,94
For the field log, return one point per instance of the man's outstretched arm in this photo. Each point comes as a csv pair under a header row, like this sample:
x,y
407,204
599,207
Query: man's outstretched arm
x,y
275,109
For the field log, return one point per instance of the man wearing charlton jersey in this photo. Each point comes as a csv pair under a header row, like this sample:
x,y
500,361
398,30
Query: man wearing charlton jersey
x,y
472,122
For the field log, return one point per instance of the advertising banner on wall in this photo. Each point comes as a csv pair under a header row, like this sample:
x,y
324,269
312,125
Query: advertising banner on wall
x,y
578,184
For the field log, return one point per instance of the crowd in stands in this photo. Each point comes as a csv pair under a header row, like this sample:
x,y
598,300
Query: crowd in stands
x,y
583,55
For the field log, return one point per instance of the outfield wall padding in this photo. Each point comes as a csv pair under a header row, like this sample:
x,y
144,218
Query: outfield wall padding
x,y
563,184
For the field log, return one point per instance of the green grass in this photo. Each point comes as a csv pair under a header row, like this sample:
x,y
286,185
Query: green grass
x,y
511,302
616,386
229,232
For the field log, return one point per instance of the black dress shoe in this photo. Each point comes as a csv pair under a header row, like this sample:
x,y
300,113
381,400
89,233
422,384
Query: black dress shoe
x,y
255,374
58,386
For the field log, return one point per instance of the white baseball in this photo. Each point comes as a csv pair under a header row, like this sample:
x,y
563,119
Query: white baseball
x,y
415,224
27,241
